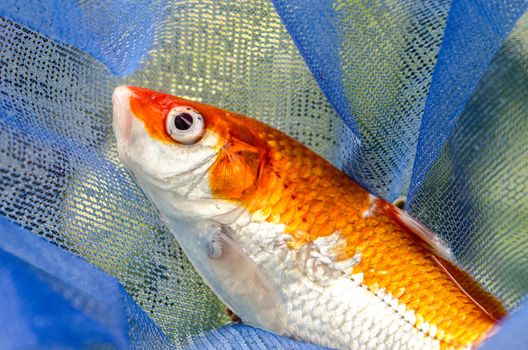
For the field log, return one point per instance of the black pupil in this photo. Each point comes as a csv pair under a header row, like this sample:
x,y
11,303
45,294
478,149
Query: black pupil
x,y
183,121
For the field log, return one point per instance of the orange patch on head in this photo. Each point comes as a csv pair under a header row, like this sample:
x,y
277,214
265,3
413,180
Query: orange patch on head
x,y
152,108
242,153
241,162
152,114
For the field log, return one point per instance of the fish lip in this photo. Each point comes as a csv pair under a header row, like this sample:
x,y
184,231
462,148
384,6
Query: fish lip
x,y
122,116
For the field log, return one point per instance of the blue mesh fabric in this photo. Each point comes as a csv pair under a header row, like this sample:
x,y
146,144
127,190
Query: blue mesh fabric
x,y
473,26
374,60
425,99
95,27
406,72
475,194
245,337
52,299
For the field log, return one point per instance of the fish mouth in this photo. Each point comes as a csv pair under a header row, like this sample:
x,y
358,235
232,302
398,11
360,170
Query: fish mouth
x,y
122,119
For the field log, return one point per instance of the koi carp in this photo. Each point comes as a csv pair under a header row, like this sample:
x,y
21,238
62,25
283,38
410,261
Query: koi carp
x,y
287,241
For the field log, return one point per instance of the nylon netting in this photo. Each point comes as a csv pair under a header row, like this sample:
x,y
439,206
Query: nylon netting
x,y
60,176
381,66
366,96
476,192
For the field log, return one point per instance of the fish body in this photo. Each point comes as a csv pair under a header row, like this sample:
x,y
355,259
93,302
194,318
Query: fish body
x,y
288,241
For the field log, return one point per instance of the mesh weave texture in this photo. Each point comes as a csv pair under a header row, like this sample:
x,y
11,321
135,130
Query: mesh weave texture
x,y
416,84
52,299
426,99
60,176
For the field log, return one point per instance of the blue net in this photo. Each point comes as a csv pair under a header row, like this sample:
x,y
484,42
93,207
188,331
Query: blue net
x,y
97,27
413,84
246,337
425,100
479,177
374,60
52,299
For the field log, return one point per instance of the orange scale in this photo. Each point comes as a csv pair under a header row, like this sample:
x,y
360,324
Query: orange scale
x,y
406,298
265,213
427,310
309,218
360,225
383,234
297,221
395,244
461,336
288,217
328,228
317,206
277,156
286,165
305,226
255,204
275,196
318,171
301,238
345,254
339,221
308,199
306,173
275,218
297,163
328,186
271,143
321,220
440,333
282,205
377,258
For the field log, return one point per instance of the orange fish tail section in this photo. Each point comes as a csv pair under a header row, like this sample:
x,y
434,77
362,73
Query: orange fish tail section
x,y
313,199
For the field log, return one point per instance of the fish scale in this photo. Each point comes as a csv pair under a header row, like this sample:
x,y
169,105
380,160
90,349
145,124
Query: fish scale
x,y
383,242
380,260
378,249
351,270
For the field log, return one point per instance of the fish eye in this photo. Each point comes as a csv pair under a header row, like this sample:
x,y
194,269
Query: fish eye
x,y
184,124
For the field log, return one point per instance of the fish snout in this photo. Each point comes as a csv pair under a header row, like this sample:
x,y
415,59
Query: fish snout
x,y
122,116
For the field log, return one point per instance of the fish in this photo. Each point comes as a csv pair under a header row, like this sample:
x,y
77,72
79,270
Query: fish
x,y
289,242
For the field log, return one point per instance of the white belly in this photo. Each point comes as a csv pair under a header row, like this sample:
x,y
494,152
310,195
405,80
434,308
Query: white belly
x,y
345,315
323,307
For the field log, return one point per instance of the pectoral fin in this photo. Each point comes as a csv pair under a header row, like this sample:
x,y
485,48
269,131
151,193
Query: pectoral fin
x,y
232,274
247,292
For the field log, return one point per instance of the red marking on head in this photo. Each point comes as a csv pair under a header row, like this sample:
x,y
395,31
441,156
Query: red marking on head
x,y
242,161
152,107
242,156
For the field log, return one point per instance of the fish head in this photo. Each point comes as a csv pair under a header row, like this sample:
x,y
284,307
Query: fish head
x,y
197,163
195,160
